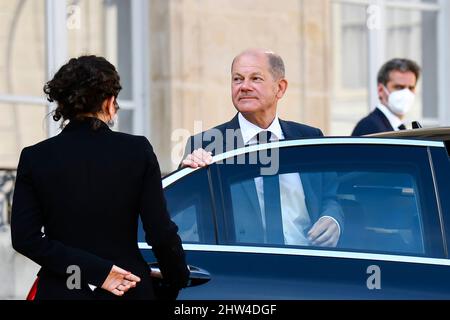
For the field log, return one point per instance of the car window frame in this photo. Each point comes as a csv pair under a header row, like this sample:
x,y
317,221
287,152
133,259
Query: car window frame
x,y
434,249
440,161
172,179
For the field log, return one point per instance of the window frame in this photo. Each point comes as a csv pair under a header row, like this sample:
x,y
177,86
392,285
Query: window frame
x,y
377,53
440,160
209,221
431,223
56,49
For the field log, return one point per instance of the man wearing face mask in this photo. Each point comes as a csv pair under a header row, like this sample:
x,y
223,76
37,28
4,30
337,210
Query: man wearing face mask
x,y
397,80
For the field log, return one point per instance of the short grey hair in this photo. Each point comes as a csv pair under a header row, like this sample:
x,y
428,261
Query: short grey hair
x,y
276,64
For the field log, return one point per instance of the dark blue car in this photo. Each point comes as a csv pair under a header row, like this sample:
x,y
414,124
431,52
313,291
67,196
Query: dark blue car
x,y
394,242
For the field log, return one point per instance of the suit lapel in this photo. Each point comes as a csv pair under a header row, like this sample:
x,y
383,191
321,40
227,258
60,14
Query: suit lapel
x,y
249,188
287,131
233,123
306,178
311,200
377,112
234,130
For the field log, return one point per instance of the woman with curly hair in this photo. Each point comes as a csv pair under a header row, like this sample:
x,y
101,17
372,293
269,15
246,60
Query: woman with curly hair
x,y
79,195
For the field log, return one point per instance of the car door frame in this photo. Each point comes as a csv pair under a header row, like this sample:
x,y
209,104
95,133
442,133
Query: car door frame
x,y
369,259
221,249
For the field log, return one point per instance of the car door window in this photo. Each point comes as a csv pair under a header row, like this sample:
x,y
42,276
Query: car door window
x,y
190,207
382,211
381,197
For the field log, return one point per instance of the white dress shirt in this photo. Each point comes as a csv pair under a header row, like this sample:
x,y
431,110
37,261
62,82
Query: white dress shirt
x,y
295,217
393,119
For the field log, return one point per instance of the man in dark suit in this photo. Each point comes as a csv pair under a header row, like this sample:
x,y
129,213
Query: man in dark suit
x,y
258,82
397,80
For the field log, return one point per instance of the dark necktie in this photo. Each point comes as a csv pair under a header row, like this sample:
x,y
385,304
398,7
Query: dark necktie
x,y
402,127
272,209
263,137
272,201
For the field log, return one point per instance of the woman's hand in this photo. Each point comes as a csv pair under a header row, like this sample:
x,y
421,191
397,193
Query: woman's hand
x,y
119,281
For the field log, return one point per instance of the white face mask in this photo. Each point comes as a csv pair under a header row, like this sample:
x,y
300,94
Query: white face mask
x,y
400,101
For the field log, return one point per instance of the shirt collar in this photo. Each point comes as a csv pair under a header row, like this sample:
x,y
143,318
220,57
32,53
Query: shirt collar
x,y
392,118
250,130
90,123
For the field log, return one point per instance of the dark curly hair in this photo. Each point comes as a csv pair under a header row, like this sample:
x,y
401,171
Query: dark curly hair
x,y
81,85
397,64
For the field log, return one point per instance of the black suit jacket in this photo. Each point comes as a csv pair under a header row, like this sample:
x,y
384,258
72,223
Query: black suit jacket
x,y
87,189
374,122
206,139
320,189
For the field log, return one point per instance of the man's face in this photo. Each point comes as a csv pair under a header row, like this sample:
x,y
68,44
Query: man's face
x,y
397,81
253,88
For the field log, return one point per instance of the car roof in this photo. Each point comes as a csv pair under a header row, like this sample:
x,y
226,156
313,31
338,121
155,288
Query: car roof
x,y
175,175
435,134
